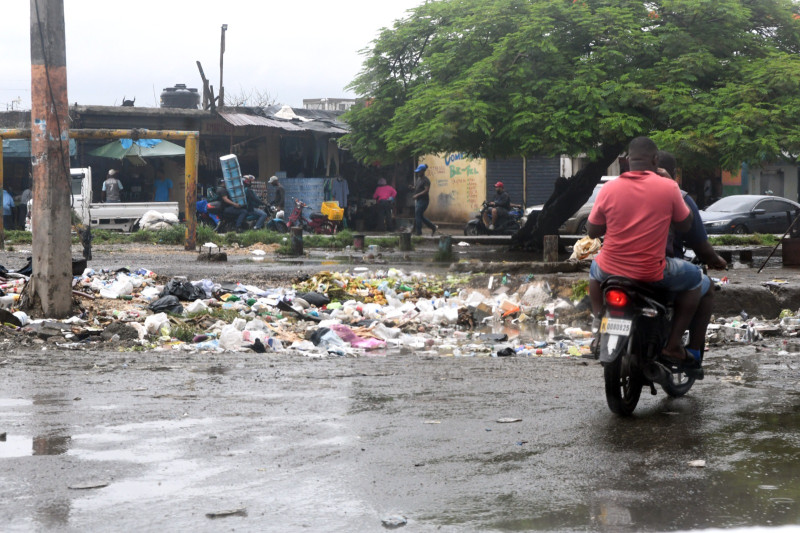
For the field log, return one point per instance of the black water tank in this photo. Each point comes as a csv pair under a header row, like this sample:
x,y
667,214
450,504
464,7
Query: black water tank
x,y
180,97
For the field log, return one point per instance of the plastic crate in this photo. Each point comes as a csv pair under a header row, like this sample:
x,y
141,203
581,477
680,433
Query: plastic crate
x,y
335,213
328,206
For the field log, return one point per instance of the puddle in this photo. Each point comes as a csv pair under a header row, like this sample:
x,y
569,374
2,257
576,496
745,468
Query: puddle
x,y
21,446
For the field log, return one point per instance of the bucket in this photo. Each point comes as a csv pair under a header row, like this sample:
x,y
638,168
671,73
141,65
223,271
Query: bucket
x,y
358,242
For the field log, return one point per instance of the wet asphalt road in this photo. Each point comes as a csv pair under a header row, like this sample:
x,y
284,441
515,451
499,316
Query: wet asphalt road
x,y
153,441
341,444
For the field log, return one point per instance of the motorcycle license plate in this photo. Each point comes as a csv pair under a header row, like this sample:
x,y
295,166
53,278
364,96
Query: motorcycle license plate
x,y
615,326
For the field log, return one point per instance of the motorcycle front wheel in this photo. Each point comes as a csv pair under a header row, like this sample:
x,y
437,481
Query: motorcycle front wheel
x,y
623,384
471,230
278,226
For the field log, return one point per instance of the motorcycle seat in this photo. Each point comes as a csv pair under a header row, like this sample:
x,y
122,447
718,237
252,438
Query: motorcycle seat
x,y
318,215
645,289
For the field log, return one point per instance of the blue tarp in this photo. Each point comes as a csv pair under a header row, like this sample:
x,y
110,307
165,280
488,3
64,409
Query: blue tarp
x,y
144,143
21,148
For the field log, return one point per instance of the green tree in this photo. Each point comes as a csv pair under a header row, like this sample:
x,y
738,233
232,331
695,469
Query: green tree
x,y
717,82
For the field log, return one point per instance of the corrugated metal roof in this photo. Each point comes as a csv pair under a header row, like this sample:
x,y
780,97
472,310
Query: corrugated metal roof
x,y
245,119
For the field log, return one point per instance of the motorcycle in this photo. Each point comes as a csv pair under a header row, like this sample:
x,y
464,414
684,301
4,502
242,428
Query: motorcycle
x,y
507,226
318,223
634,328
211,214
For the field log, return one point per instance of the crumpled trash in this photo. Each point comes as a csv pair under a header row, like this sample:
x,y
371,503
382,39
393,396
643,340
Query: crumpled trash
x,y
167,304
314,298
154,324
349,336
184,290
584,249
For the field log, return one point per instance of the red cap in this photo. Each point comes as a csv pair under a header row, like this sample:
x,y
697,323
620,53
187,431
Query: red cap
x,y
499,184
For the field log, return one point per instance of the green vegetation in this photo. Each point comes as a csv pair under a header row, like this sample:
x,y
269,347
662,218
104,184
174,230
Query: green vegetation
x,y
756,239
580,289
715,83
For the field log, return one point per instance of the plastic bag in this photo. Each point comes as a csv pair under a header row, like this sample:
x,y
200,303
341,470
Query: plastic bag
x,y
167,304
586,248
184,290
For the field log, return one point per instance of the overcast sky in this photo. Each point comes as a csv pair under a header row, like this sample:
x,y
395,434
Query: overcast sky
x,y
291,49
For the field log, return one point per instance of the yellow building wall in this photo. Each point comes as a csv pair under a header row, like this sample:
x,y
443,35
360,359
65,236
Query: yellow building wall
x,y
458,186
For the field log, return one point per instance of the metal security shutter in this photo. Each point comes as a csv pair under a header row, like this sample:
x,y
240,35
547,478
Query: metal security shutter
x,y
510,172
542,174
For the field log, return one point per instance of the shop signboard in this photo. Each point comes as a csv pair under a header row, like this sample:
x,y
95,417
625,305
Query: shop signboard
x,y
458,186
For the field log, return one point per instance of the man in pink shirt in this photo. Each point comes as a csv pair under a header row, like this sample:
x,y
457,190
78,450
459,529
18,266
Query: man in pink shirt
x,y
385,195
634,212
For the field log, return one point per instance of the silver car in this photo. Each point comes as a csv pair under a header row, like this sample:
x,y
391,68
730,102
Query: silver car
x,y
576,224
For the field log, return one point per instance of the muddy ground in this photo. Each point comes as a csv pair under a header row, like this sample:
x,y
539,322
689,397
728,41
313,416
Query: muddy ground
x,y
107,440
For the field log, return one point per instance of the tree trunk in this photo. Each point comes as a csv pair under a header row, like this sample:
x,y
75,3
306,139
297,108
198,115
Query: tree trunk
x,y
568,196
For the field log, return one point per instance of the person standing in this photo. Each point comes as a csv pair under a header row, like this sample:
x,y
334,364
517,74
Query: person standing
x,y
385,195
254,202
112,188
161,188
24,198
422,186
279,197
8,210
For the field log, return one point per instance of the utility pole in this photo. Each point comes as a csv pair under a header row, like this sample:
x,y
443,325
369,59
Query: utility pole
x,y
222,53
50,288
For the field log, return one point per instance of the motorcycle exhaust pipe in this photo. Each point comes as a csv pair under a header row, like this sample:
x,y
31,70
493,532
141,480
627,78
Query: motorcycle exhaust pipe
x,y
656,372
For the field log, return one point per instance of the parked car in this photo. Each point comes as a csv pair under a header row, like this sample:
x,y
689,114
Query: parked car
x,y
576,224
749,213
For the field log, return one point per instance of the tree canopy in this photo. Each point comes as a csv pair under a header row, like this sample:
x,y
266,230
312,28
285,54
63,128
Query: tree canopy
x,y
717,82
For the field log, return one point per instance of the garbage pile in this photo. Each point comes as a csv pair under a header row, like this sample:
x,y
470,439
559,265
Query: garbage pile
x,y
340,314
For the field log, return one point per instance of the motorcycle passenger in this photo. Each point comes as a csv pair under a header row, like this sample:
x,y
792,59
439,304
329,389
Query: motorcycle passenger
x,y
253,202
696,239
279,198
500,207
230,208
385,195
634,212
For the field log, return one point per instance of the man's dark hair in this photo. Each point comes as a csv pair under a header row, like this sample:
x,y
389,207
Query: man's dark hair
x,y
667,161
642,154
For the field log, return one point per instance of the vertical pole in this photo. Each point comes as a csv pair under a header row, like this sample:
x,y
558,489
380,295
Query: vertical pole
x,y
190,192
551,248
51,289
222,53
2,186
296,241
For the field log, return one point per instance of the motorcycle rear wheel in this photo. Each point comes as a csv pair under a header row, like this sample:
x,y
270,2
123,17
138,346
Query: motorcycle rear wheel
x,y
678,384
471,230
279,226
624,385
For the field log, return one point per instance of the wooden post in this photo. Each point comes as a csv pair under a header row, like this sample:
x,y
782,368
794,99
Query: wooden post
x,y
405,242
190,192
551,248
50,286
297,241
358,242
2,187
446,244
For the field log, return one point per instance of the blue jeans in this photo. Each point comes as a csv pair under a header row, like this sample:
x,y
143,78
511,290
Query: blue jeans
x,y
679,276
420,205
262,217
237,212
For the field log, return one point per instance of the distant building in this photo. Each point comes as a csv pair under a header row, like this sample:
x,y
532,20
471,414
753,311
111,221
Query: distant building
x,y
329,104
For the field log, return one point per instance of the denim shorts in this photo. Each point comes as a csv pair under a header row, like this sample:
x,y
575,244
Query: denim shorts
x,y
679,276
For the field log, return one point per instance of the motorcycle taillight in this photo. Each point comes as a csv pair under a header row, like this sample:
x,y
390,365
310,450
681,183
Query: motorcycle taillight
x,y
616,298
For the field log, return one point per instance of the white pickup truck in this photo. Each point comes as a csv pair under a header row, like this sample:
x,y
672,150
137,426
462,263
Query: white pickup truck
x,y
119,216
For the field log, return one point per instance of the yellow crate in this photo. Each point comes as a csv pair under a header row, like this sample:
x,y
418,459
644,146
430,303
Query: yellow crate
x,y
327,206
335,213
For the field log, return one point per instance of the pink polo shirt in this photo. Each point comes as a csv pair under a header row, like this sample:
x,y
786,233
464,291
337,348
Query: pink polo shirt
x,y
637,209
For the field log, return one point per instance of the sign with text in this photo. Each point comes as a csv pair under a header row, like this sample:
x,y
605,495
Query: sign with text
x,y
458,186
